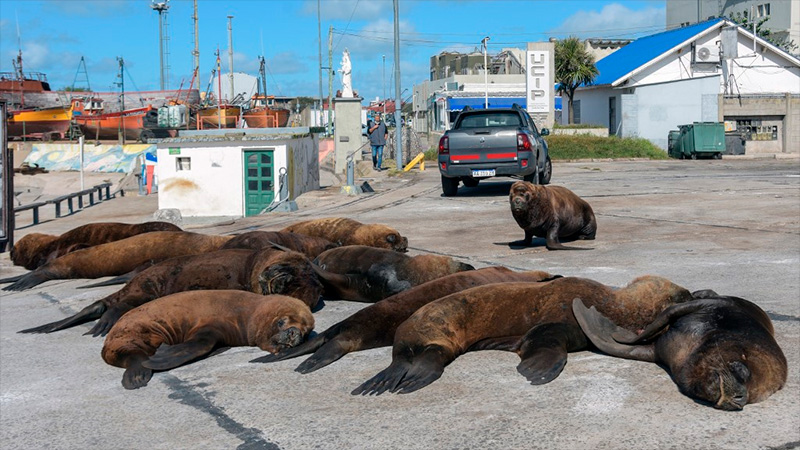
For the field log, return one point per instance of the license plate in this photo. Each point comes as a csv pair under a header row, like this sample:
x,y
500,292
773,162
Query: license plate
x,y
483,173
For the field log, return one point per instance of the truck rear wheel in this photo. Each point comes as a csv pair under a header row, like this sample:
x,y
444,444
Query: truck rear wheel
x,y
449,186
547,172
470,182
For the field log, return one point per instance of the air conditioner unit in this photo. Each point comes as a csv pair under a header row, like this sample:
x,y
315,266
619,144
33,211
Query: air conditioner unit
x,y
706,54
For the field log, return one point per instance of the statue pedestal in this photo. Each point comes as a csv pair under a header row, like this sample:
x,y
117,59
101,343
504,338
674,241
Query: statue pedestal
x,y
347,131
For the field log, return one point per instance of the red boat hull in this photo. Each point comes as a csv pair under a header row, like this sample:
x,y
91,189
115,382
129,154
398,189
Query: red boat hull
x,y
108,126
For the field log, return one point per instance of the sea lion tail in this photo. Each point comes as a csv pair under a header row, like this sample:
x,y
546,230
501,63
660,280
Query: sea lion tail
x,y
122,279
305,348
91,312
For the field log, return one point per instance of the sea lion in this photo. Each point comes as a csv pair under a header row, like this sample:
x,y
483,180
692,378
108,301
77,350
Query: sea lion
x,y
375,325
367,274
718,349
344,231
533,320
268,271
551,212
36,249
310,246
119,257
177,329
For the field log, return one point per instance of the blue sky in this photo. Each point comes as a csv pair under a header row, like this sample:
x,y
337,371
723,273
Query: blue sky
x,y
55,34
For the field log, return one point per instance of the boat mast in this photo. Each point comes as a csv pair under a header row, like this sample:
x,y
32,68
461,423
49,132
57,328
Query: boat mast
x,y
263,72
230,54
196,51
219,90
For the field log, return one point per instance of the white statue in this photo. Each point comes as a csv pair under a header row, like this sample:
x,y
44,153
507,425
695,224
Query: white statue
x,y
347,83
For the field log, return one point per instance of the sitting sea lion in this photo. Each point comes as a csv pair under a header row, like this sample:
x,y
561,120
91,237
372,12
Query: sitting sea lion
x,y
718,349
368,274
532,319
310,246
268,271
174,330
551,212
36,249
342,231
118,257
375,325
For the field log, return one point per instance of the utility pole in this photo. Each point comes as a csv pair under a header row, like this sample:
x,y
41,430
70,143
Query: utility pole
x,y
162,8
230,55
398,132
329,129
384,87
485,41
196,51
319,41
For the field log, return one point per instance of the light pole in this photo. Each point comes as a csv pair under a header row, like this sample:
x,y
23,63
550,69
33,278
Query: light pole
x,y
485,72
384,86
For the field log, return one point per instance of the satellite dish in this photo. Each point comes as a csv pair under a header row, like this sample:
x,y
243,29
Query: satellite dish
x,y
703,53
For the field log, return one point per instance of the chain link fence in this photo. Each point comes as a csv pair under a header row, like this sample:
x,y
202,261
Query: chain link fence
x,y
412,144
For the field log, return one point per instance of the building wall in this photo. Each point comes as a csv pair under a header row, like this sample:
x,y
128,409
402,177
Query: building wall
x,y
749,73
762,112
214,186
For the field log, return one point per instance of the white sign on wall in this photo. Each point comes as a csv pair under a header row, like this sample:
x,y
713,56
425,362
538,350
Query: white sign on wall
x,y
539,86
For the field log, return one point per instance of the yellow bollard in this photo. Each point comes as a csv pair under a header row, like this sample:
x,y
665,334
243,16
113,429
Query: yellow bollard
x,y
417,159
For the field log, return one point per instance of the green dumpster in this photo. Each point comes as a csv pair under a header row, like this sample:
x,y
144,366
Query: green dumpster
x,y
701,139
674,149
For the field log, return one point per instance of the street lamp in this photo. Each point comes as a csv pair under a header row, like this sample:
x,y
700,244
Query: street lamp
x,y
384,86
485,72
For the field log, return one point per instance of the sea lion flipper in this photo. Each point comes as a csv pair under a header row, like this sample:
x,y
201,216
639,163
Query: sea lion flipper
x,y
544,349
91,312
12,279
662,320
122,279
505,343
172,356
136,375
325,355
599,330
293,352
29,280
426,369
386,380
106,321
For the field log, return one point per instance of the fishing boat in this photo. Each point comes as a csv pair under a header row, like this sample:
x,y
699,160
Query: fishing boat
x,y
221,116
44,123
260,115
95,123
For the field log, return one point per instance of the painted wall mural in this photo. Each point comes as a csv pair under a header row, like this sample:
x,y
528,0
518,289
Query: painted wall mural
x,y
96,158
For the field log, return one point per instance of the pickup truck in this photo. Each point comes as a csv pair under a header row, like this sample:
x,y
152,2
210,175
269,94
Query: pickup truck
x,y
485,143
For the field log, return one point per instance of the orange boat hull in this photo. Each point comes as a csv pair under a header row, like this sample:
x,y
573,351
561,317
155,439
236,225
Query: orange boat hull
x,y
266,118
108,126
211,117
48,123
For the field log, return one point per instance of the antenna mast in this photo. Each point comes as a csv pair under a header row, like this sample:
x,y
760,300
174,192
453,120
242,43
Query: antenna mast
x,y
230,53
163,50
196,51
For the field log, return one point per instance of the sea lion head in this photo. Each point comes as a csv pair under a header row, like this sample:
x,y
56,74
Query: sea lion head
x,y
523,197
30,251
380,236
283,322
287,273
719,374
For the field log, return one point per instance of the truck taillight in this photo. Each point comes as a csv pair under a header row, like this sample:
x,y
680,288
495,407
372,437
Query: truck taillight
x,y
523,143
444,145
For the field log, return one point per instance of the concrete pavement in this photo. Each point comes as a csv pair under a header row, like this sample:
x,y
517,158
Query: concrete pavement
x,y
730,225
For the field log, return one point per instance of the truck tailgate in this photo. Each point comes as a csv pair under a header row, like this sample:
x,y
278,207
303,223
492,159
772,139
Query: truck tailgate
x,y
490,144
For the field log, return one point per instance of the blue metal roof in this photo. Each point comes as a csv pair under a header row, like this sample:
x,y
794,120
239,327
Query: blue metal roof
x,y
643,50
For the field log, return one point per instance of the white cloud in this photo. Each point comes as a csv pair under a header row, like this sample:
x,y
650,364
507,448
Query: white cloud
x,y
345,9
286,63
613,21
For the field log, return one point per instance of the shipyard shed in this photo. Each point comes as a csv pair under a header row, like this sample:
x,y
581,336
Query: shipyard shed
x,y
235,172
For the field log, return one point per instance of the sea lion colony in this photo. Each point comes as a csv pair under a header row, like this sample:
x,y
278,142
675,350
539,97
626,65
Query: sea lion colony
x,y
431,311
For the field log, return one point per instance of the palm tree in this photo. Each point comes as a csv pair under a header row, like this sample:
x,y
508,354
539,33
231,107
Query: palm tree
x,y
574,67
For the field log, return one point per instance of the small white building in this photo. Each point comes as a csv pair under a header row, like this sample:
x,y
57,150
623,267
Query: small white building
x,y
714,71
235,172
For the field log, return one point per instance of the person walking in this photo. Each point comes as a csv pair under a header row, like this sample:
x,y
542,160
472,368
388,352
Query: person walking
x,y
378,133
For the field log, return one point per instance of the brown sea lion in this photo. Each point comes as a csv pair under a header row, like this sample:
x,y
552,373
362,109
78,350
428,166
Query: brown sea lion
x,y
532,319
367,274
310,246
344,231
375,325
718,349
268,271
119,257
174,330
551,212
36,249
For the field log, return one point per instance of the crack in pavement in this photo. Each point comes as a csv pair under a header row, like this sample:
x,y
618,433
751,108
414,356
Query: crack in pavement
x,y
188,395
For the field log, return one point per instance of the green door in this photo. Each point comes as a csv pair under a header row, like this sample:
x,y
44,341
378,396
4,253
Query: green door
x,y
258,181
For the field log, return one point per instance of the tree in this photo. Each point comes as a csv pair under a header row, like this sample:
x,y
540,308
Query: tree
x,y
784,43
574,67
